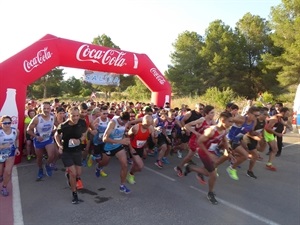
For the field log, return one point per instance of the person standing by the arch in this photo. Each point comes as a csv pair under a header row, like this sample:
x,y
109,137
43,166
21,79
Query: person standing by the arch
x,y
9,147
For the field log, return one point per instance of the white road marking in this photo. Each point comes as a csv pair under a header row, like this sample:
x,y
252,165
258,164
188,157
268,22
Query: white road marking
x,y
160,174
286,146
17,206
237,208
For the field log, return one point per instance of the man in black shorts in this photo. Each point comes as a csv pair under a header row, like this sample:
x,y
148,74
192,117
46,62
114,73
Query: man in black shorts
x,y
68,137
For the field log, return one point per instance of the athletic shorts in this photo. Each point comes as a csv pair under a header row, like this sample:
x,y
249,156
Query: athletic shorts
x,y
150,142
268,137
234,144
206,160
28,137
184,138
161,140
114,151
5,154
42,145
193,145
98,149
251,143
70,158
139,152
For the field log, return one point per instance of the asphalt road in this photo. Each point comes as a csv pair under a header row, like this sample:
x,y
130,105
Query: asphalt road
x,y
160,197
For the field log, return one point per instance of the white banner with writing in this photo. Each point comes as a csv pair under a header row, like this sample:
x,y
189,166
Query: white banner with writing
x,y
101,78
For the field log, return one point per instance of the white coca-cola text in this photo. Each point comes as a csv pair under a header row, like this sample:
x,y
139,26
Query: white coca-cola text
x,y
109,57
42,56
157,76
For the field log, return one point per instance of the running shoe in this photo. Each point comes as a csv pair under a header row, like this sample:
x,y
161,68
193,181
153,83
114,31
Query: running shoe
x,y
211,198
90,161
251,174
129,161
79,184
100,172
271,167
232,173
124,189
48,170
178,171
159,164
200,178
1,179
196,155
165,160
186,169
130,178
67,175
75,199
28,157
84,163
179,154
4,192
53,166
40,174
103,174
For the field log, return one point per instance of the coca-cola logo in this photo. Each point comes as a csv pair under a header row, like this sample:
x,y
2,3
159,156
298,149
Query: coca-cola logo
x,y
42,56
109,57
158,76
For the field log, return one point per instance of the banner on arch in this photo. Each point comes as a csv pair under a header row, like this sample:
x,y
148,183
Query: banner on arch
x,y
101,78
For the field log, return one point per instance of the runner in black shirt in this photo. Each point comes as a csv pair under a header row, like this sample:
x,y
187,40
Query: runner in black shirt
x,y
68,136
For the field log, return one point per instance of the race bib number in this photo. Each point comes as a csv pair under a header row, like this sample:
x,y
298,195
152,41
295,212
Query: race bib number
x,y
46,136
4,154
169,131
71,144
213,147
140,144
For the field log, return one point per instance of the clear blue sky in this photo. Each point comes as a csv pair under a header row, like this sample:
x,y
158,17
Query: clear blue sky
x,y
141,26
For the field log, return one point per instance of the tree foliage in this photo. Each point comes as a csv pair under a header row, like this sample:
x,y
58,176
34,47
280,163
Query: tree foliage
x,y
285,22
186,74
48,85
256,56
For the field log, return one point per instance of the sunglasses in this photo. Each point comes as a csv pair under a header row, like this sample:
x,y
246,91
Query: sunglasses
x,y
105,113
6,123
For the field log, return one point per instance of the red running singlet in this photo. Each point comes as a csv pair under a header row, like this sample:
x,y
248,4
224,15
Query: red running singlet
x,y
140,138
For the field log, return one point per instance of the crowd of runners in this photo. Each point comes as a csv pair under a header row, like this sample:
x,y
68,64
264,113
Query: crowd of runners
x,y
91,133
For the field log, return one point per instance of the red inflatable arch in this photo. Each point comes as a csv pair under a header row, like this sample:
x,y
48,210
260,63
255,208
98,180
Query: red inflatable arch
x,y
22,69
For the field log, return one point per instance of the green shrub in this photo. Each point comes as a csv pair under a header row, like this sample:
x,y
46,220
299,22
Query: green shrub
x,y
217,98
85,92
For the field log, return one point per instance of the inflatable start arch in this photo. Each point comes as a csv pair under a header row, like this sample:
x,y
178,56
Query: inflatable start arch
x,y
22,69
